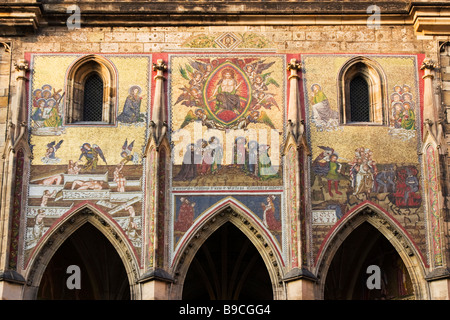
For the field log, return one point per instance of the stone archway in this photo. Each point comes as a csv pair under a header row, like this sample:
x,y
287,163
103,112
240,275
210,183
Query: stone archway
x,y
88,254
251,230
227,267
50,244
388,229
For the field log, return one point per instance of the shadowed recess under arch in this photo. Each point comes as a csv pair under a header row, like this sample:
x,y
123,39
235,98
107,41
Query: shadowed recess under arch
x,y
227,267
347,277
103,275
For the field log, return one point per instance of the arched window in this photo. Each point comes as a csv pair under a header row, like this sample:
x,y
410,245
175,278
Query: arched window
x,y
359,100
93,98
362,92
91,92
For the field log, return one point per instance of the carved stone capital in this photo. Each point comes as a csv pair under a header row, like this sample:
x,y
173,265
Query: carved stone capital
x,y
21,67
159,65
294,65
428,64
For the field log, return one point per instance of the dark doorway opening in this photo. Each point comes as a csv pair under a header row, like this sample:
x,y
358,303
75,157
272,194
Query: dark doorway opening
x,y
227,267
103,275
348,273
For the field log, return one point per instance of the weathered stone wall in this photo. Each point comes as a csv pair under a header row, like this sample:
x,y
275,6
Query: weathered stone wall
x,y
5,70
283,39
445,76
327,39
5,75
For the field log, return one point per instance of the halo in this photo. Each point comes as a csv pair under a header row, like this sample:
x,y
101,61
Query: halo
x,y
47,87
407,94
39,101
259,77
227,70
249,65
51,99
398,103
44,91
199,110
395,94
407,103
135,87
254,114
315,84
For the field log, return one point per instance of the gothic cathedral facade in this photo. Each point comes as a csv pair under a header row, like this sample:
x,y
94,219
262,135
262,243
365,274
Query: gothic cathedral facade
x,y
225,150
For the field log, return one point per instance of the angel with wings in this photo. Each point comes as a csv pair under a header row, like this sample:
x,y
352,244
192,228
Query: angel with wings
x,y
126,152
204,68
195,77
52,147
50,153
201,115
190,97
260,80
265,100
91,153
252,69
253,117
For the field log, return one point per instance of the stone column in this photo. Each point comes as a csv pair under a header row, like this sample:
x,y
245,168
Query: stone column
x,y
159,115
155,283
294,119
300,282
11,281
430,114
438,276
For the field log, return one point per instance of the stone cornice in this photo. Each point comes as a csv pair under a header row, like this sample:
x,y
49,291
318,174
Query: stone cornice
x,y
21,17
152,13
430,18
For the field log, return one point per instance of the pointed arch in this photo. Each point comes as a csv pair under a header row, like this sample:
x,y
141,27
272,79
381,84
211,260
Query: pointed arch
x,y
228,211
390,229
77,74
370,73
63,229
